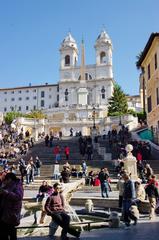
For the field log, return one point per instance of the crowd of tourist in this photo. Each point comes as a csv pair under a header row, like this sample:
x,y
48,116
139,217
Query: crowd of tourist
x,y
13,145
131,193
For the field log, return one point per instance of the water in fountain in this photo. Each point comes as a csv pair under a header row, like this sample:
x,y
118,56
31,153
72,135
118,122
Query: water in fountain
x,y
72,213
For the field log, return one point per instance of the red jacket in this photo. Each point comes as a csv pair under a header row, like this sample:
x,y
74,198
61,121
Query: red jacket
x,y
67,150
56,150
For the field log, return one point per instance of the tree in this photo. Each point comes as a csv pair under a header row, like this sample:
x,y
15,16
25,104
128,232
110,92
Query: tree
x,y
141,116
118,105
137,62
36,114
10,116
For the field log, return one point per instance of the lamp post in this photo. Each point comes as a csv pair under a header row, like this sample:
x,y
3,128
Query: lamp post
x,y
94,118
120,122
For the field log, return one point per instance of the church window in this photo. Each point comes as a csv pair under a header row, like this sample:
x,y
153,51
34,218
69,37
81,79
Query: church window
x,y
87,77
102,57
67,60
103,92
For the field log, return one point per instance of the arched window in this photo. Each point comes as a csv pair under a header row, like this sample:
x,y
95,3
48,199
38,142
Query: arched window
x,y
87,77
102,57
67,60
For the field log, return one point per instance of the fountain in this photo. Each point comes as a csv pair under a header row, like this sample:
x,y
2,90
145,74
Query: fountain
x,y
34,208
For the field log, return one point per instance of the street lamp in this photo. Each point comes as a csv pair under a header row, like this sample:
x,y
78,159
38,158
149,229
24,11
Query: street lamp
x,y
94,117
120,123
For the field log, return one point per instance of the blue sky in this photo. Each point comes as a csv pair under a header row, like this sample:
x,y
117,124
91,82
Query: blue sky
x,y
31,32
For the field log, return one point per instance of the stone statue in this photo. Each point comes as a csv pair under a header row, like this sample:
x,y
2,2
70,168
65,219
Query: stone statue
x,y
130,162
89,205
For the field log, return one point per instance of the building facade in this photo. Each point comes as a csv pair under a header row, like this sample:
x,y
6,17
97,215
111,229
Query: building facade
x,y
149,64
25,99
134,103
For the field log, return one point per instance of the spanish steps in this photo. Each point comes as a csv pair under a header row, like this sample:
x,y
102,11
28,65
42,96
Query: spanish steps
x,y
48,159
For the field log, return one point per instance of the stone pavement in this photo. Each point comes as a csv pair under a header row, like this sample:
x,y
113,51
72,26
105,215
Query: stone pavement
x,y
144,230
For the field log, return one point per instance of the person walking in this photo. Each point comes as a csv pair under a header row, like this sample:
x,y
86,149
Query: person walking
x,y
11,195
56,152
38,165
22,168
67,152
128,197
153,195
103,177
54,207
65,174
120,188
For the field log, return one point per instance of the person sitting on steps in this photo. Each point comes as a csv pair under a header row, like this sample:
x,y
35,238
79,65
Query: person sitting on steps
x,y
54,207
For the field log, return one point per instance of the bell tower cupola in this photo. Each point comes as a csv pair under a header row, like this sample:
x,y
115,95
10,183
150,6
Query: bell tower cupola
x,y
103,48
68,52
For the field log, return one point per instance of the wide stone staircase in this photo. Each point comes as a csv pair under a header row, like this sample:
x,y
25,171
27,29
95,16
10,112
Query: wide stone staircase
x,y
48,159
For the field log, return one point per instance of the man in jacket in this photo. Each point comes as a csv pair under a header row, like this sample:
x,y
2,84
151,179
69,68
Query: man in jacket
x,y
54,207
128,197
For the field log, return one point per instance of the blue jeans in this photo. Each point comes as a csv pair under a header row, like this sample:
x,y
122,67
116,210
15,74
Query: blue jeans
x,y
104,189
126,206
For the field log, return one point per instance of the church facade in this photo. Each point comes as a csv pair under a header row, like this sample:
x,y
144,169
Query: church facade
x,y
80,98
84,89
